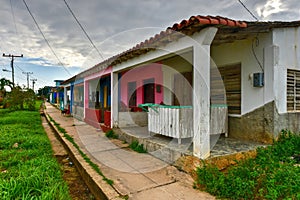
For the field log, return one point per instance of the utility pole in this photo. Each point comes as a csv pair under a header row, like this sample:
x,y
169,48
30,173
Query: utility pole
x,y
12,65
33,82
28,73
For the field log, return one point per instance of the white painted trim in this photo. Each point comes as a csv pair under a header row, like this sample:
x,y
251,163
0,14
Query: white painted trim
x,y
182,45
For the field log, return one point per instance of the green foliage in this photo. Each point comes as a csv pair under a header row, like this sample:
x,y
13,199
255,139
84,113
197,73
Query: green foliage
x,y
84,156
273,174
4,82
27,168
20,99
111,134
137,147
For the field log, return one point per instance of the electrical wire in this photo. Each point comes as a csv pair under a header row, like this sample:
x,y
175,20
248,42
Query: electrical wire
x,y
41,79
47,42
248,10
13,15
98,51
256,41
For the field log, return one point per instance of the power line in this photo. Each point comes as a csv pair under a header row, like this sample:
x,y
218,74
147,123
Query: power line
x,y
248,10
47,42
83,30
13,15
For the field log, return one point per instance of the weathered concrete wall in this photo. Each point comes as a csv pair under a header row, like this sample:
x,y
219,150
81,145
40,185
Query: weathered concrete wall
x,y
133,119
263,124
290,121
257,125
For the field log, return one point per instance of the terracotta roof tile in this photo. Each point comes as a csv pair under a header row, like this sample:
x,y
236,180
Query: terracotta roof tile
x,y
207,20
189,26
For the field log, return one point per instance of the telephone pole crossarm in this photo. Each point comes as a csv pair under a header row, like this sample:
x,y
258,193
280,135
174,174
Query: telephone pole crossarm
x,y
12,65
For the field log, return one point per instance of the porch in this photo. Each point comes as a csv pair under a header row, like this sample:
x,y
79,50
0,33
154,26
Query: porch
x,y
168,149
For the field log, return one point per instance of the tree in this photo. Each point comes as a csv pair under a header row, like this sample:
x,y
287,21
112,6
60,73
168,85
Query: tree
x,y
19,99
4,82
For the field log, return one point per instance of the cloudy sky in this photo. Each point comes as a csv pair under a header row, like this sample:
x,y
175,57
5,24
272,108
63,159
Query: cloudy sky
x,y
112,25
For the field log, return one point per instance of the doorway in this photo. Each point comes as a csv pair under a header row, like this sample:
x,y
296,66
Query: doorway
x,y
148,88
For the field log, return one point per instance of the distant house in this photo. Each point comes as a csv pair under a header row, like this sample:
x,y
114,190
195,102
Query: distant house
x,y
56,93
224,76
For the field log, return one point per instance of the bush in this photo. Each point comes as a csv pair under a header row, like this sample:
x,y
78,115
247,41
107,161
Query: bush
x,y
273,174
20,99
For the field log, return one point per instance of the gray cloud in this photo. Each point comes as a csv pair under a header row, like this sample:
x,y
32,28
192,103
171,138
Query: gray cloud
x,y
113,25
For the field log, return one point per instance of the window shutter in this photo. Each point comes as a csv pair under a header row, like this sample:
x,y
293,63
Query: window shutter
x,y
293,90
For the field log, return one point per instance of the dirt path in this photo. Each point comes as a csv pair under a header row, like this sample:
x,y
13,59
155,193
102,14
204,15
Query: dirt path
x,y
77,187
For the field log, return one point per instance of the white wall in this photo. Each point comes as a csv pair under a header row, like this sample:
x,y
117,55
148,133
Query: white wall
x,y
241,52
287,41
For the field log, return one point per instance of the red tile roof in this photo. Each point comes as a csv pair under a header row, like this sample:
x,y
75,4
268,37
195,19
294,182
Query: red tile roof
x,y
207,20
186,27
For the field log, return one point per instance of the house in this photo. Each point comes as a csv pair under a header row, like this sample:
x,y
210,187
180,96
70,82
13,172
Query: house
x,y
244,74
56,93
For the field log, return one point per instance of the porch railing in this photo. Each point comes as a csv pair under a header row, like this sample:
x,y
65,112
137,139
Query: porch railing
x,y
177,121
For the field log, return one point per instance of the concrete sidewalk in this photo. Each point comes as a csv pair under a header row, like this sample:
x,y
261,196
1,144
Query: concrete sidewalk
x,y
140,176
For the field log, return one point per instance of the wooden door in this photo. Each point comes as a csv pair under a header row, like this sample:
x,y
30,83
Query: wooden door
x,y
148,89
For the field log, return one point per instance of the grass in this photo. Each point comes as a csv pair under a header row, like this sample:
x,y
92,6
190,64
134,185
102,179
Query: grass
x,y
84,156
27,168
137,147
273,174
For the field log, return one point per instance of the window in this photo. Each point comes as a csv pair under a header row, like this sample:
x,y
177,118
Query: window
x,y
231,77
293,90
78,95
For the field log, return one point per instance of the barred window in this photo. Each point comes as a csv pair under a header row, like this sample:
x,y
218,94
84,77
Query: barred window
x,y
293,90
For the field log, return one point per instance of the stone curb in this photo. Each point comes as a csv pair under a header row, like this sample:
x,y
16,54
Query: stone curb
x,y
100,189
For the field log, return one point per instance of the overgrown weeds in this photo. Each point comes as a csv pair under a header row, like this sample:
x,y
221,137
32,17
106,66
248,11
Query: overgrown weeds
x,y
137,147
273,174
111,134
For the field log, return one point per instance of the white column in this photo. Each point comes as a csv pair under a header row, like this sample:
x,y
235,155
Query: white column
x,y
114,99
201,96
65,97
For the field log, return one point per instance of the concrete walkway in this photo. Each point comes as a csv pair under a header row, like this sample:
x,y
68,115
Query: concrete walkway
x,y
140,176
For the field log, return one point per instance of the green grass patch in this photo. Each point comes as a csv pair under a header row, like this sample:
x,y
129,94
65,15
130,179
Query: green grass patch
x,y
27,168
273,174
84,156
135,146
111,134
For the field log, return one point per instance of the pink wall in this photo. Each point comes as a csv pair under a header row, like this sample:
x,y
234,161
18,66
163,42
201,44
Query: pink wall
x,y
140,74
